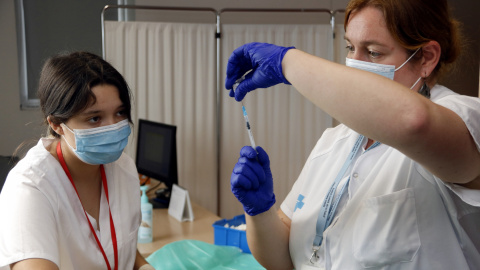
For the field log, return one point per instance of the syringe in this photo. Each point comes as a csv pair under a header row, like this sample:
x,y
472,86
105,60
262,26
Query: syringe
x,y
250,134
245,115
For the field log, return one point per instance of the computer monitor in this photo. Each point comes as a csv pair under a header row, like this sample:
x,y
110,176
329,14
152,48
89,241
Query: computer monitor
x,y
157,156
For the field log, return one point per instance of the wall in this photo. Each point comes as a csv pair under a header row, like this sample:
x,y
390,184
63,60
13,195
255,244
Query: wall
x,y
16,126
463,79
220,4
243,17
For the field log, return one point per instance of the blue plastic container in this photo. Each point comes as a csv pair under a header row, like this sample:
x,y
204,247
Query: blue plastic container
x,y
225,236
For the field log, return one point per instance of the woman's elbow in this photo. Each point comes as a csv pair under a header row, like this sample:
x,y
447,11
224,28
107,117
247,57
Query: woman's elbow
x,y
417,123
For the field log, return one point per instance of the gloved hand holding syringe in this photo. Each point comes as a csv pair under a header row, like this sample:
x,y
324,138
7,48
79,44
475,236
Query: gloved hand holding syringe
x,y
252,180
245,115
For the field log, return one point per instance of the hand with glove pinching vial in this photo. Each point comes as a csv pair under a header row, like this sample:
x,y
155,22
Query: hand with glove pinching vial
x,y
252,182
263,60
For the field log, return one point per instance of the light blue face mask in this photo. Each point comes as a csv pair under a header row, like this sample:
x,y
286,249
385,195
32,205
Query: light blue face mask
x,y
380,69
100,145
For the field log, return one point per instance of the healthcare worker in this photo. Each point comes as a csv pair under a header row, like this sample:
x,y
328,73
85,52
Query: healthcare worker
x,y
73,201
397,184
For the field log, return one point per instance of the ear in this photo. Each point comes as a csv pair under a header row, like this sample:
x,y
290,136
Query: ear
x,y
430,56
56,127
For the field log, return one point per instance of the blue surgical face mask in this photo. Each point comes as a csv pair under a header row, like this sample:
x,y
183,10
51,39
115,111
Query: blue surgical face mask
x,y
100,145
380,69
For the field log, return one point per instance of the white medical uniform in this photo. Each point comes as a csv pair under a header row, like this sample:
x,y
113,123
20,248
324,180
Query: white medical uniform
x,y
42,217
395,214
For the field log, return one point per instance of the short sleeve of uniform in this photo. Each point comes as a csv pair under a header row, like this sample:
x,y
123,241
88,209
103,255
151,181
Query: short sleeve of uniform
x,y
290,202
30,231
468,108
288,205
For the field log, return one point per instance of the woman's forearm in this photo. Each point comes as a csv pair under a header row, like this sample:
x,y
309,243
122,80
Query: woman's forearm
x,y
268,239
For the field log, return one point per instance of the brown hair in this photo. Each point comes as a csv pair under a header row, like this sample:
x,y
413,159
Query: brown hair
x,y
413,23
66,82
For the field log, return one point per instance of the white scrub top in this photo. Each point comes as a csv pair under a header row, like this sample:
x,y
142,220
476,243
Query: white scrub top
x,y
42,217
395,214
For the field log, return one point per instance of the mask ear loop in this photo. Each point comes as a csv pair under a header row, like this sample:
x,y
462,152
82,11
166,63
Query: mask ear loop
x,y
413,54
66,138
413,86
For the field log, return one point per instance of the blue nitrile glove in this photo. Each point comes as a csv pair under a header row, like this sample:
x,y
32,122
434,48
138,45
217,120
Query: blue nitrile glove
x,y
252,182
265,61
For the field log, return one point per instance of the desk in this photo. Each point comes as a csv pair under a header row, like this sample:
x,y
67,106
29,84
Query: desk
x,y
167,229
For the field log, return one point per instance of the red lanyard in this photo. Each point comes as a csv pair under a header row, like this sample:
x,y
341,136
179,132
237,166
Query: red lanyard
x,y
105,188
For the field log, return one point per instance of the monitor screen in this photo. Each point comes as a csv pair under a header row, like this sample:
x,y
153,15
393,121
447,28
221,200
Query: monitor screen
x,y
157,151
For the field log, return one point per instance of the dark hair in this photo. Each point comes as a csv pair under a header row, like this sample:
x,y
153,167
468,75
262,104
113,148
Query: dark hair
x,y
413,23
66,82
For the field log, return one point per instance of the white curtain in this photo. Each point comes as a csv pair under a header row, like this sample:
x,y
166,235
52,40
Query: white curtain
x,y
283,122
170,68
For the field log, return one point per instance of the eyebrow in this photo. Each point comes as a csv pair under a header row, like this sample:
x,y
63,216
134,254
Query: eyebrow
x,y
121,107
367,42
89,112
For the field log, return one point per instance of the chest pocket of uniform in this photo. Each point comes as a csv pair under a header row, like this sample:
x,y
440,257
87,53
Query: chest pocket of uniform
x,y
386,231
